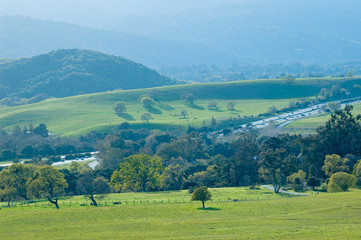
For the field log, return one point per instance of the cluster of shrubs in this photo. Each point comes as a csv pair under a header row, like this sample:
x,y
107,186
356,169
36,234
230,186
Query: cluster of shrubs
x,y
77,155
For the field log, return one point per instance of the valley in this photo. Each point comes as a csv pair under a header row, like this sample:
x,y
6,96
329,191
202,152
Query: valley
x,y
207,119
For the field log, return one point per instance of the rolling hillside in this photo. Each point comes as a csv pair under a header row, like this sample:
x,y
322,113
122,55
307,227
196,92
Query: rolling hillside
x,y
71,72
81,114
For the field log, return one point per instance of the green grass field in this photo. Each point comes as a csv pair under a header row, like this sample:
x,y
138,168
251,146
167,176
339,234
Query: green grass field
x,y
219,195
326,216
78,115
309,125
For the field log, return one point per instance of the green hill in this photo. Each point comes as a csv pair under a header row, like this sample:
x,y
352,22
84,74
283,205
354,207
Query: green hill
x,y
71,72
80,114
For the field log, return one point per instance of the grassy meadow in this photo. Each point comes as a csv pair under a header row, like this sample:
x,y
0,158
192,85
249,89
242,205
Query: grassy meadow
x,y
325,216
218,195
309,125
80,114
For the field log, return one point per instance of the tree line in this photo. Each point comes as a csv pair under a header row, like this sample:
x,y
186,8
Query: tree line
x,y
144,160
197,159
35,143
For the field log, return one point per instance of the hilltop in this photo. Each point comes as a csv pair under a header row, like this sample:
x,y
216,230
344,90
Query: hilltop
x,y
71,72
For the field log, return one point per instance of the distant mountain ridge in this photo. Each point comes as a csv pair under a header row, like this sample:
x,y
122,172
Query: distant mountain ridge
x,y
71,72
268,31
27,37
222,33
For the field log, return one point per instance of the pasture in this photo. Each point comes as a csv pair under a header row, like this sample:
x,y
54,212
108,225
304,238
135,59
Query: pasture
x,y
326,216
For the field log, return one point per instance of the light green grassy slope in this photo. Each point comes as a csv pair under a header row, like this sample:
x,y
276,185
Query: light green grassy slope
x,y
309,125
326,216
81,114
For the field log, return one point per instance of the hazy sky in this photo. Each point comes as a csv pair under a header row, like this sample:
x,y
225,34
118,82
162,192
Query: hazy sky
x,y
100,12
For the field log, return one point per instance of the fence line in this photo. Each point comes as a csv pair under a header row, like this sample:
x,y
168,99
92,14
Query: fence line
x,y
40,203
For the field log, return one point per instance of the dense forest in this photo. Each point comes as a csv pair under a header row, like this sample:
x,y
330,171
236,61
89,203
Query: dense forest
x,y
71,72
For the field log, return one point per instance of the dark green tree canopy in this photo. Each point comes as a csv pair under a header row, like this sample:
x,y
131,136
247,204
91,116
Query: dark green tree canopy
x,y
90,184
201,194
342,133
138,173
69,72
49,183
120,107
147,102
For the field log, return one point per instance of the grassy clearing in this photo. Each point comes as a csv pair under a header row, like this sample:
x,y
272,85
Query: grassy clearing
x,y
81,114
326,216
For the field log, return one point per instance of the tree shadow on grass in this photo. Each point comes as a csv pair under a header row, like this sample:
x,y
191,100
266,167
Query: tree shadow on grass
x,y
209,209
194,106
126,116
236,111
153,110
165,107
216,110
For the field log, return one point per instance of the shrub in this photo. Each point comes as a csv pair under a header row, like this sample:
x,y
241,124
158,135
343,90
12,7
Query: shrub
x,y
341,182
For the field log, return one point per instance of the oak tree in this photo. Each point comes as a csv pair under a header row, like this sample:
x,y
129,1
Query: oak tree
x,y
48,183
